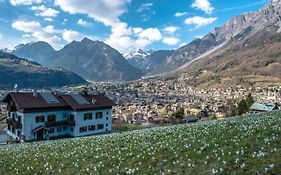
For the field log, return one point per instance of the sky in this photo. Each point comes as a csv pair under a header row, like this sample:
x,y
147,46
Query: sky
x,y
123,24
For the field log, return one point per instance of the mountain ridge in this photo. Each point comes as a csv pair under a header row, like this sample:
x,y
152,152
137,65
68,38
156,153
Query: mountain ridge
x,y
94,60
29,74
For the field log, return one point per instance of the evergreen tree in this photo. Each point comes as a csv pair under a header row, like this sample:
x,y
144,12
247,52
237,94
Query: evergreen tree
x,y
249,100
242,107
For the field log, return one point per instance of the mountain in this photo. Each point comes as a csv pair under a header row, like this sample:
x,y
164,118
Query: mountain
x,y
36,51
95,61
240,25
137,58
189,52
28,74
153,62
147,61
251,53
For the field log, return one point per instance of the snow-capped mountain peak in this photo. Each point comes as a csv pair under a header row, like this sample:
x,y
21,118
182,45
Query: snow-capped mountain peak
x,y
139,53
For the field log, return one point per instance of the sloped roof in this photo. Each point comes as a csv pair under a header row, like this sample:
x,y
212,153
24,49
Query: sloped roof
x,y
263,106
26,101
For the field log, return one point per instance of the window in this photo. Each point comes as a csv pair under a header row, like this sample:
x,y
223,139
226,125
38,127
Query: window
x,y
83,129
98,115
100,126
59,129
106,118
106,112
51,130
64,115
40,119
51,118
18,133
71,129
64,128
9,127
19,118
106,125
71,118
92,128
88,116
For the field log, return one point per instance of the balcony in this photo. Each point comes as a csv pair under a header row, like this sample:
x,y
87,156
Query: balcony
x,y
60,123
13,123
11,108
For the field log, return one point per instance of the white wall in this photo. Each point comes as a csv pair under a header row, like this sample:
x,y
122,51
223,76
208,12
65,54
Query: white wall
x,y
80,122
29,123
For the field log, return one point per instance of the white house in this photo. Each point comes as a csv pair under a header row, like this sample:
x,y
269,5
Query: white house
x,y
46,115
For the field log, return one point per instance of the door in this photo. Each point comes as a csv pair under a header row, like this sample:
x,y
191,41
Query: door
x,y
40,134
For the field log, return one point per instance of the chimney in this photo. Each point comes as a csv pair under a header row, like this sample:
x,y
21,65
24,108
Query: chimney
x,y
94,101
34,93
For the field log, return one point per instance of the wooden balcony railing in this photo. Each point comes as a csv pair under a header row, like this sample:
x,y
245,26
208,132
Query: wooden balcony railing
x,y
13,123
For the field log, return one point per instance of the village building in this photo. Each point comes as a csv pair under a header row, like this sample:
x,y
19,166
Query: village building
x,y
263,107
46,115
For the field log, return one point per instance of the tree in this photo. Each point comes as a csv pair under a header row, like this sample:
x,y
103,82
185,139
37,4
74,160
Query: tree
x,y
249,100
242,107
179,113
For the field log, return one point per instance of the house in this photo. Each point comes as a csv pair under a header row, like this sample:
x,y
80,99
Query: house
x,y
191,119
263,107
46,115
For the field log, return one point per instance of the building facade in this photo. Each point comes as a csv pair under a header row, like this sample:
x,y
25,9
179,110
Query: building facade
x,y
44,116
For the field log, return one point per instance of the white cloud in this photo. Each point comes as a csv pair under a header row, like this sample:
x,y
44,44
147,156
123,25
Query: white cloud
x,y
144,7
179,14
137,30
29,27
82,22
26,36
35,31
203,5
171,29
152,34
44,11
24,2
104,11
170,40
182,44
124,38
49,19
0,35
70,35
199,21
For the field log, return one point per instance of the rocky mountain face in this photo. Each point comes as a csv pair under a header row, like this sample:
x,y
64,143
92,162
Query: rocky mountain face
x,y
137,58
251,55
245,24
153,62
36,51
148,61
189,52
95,61
28,74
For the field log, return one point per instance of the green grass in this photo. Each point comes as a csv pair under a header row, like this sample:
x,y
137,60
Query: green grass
x,y
127,127
241,145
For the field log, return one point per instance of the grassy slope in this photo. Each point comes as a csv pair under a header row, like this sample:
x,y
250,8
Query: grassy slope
x,y
242,145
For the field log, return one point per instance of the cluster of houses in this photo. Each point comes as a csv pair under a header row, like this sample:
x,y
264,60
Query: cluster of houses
x,y
51,115
145,101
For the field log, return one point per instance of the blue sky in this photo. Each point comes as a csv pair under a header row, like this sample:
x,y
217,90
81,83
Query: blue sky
x,y
123,24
